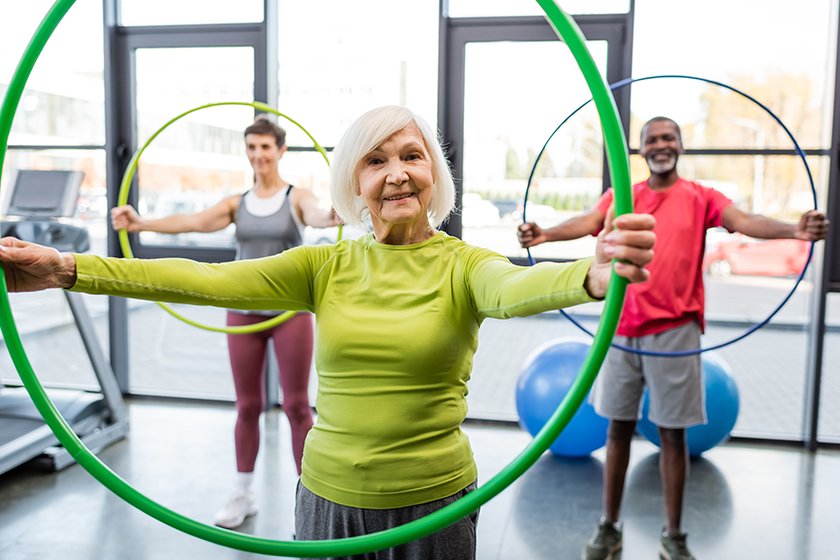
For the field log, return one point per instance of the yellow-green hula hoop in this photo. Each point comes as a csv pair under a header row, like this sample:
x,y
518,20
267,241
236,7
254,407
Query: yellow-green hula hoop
x,y
122,199
617,158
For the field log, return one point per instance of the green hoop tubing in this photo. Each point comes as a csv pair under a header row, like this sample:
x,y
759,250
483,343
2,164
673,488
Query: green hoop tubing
x,y
122,199
617,158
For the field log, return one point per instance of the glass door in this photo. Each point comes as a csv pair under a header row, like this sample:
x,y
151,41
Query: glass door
x,y
200,159
157,73
189,167
515,95
507,83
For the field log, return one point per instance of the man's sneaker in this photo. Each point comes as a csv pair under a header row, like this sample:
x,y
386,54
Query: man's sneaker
x,y
672,546
239,507
605,541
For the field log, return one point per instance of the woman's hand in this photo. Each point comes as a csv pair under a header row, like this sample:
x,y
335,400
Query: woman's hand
x,y
30,267
628,238
125,217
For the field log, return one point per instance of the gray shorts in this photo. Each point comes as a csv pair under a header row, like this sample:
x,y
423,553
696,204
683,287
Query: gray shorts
x,y
677,392
319,519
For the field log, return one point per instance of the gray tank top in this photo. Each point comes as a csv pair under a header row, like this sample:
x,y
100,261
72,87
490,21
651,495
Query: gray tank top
x,y
263,236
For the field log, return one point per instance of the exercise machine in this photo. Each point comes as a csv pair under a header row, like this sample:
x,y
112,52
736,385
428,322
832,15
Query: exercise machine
x,y
33,209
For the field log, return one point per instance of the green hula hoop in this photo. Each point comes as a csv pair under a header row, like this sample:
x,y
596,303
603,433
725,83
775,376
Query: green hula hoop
x,y
620,174
122,199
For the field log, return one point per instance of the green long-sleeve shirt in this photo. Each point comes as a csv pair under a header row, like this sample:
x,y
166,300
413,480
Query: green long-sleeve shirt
x,y
396,331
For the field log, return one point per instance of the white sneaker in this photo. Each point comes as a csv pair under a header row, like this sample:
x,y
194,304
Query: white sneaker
x,y
239,507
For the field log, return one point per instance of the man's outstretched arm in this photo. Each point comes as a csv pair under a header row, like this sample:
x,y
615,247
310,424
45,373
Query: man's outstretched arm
x,y
531,234
812,225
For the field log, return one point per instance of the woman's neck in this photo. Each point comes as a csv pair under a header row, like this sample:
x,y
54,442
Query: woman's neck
x,y
402,234
268,185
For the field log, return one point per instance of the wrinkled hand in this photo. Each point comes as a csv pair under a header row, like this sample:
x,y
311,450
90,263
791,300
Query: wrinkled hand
x,y
628,238
812,226
530,234
29,267
125,217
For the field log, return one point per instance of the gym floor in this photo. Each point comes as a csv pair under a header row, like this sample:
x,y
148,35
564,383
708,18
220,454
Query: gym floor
x,y
743,501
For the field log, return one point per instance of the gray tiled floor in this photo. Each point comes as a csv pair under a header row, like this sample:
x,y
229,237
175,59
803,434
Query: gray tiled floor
x,y
742,501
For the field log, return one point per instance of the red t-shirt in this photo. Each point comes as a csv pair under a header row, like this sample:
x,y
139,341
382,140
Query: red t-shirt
x,y
674,294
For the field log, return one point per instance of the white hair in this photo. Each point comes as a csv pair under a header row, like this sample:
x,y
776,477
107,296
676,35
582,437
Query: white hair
x,y
364,135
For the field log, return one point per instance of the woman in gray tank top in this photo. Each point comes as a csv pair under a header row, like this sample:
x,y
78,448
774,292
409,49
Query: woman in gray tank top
x,y
269,219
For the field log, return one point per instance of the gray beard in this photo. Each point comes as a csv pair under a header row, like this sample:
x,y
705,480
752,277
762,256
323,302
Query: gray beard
x,y
664,167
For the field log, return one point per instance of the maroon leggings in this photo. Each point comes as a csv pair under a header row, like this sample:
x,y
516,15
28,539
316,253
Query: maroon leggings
x,y
293,349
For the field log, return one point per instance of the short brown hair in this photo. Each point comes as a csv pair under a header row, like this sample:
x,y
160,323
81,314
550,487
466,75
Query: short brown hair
x,y
265,127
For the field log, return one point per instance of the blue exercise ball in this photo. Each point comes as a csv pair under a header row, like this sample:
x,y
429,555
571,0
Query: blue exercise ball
x,y
546,377
722,404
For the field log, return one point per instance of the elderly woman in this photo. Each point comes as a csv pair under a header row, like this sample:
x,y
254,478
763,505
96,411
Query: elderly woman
x,y
397,314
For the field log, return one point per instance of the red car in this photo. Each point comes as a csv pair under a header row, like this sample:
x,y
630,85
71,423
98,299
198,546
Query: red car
x,y
740,254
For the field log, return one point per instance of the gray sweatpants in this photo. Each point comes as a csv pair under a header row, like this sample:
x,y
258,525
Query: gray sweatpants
x,y
677,392
319,519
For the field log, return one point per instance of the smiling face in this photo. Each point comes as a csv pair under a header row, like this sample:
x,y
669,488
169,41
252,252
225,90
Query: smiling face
x,y
396,182
661,146
263,153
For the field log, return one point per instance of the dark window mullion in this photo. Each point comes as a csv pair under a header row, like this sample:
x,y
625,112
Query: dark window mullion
x,y
34,147
163,30
748,152
309,148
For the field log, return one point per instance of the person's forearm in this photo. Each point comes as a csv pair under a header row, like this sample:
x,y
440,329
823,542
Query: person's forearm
x,y
176,223
502,290
574,228
320,218
67,277
761,227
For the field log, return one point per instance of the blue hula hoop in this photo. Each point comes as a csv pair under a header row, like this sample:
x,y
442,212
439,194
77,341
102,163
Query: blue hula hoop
x,y
799,152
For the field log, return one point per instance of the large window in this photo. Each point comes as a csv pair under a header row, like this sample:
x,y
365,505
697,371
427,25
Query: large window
x,y
63,101
829,420
737,148
503,8
732,145
199,159
188,168
339,59
506,123
189,12
785,62
44,319
59,125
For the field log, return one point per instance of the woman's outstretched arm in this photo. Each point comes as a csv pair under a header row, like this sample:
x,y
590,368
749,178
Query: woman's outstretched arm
x,y
281,282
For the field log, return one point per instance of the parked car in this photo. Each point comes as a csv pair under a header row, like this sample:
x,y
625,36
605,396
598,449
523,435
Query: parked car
x,y
507,206
740,254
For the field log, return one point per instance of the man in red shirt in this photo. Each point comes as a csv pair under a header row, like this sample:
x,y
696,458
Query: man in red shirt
x,y
663,315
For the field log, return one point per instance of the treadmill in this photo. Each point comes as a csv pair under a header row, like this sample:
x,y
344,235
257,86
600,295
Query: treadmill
x,y
35,202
